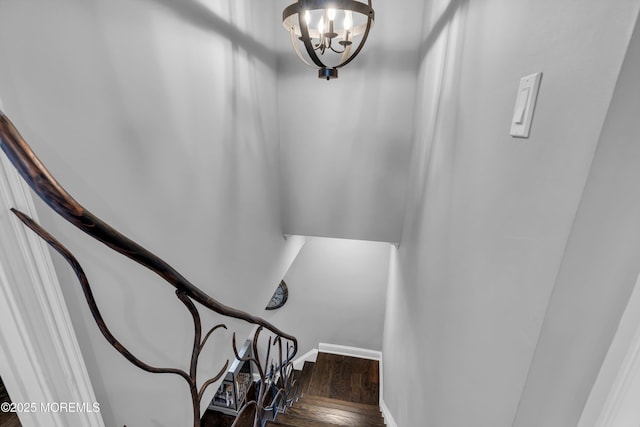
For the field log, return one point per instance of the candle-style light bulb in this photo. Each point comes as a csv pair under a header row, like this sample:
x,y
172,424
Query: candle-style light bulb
x,y
307,17
331,13
348,21
321,25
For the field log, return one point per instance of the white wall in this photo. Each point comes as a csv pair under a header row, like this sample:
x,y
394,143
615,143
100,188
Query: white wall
x,y
345,143
598,271
337,291
160,117
488,217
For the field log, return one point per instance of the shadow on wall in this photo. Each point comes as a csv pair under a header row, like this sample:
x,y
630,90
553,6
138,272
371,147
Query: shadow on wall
x,y
441,24
201,16
150,99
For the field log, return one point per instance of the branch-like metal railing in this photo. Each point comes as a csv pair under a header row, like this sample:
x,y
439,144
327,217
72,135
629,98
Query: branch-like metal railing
x,y
276,389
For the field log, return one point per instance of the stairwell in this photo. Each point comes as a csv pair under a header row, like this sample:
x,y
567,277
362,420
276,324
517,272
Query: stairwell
x,y
335,391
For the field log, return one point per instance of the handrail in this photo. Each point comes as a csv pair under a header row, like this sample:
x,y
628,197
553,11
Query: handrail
x,y
52,193
55,196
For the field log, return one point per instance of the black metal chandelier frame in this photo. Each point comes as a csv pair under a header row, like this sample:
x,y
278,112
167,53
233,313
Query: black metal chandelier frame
x,y
326,38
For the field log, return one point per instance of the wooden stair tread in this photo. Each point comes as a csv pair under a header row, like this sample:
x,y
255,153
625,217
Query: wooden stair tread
x,y
336,391
336,416
340,404
287,420
325,419
310,423
346,378
301,407
280,424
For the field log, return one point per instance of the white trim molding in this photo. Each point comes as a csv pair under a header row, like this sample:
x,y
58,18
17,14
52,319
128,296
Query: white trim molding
x,y
40,359
343,350
386,413
613,401
309,356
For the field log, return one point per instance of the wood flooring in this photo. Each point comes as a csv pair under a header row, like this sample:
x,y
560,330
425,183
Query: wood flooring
x,y
7,419
345,378
334,391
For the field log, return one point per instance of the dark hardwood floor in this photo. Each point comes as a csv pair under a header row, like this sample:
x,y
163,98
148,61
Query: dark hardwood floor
x,y
9,419
334,391
217,419
213,418
346,378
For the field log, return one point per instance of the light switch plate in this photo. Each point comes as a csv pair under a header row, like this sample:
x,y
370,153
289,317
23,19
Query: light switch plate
x,y
525,104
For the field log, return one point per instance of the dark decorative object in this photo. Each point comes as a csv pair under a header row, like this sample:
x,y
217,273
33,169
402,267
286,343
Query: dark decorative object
x,y
328,29
279,297
275,371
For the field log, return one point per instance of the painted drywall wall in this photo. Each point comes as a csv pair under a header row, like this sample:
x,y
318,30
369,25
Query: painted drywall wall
x,y
488,216
160,117
337,291
599,269
345,143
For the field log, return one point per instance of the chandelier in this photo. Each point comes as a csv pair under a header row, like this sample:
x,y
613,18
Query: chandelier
x,y
330,32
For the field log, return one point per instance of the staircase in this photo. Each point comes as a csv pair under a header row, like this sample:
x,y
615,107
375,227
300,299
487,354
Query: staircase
x,y
335,391
7,419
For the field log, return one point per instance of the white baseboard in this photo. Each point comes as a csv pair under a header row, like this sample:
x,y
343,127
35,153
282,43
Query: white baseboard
x,y
344,350
309,356
386,413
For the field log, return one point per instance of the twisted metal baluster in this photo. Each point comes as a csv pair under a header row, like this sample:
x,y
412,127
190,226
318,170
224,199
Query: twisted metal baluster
x,y
279,377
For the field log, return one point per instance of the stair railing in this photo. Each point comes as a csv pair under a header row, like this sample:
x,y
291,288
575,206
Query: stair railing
x,y
277,389
275,372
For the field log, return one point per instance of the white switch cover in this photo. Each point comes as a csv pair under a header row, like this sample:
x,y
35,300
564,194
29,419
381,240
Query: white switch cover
x,y
525,104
